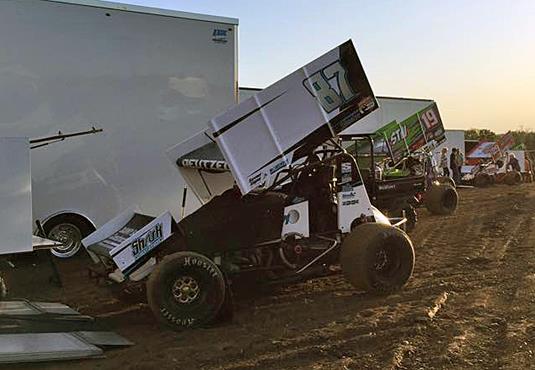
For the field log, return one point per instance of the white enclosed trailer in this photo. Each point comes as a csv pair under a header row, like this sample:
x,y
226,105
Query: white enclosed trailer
x,y
146,76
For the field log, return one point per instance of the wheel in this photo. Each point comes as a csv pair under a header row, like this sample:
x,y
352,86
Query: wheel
x,y
513,178
377,258
3,288
446,180
482,180
186,290
69,230
441,199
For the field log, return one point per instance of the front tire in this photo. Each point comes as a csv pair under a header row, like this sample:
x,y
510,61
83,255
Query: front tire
x,y
377,258
441,199
186,290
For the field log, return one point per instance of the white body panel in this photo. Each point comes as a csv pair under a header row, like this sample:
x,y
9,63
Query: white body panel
x,y
15,196
390,109
149,78
351,205
142,242
204,184
259,136
295,221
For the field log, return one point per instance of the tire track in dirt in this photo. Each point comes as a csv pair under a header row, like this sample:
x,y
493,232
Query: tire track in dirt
x,y
472,329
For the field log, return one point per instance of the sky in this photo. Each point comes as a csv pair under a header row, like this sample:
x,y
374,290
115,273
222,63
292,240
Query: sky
x,y
475,58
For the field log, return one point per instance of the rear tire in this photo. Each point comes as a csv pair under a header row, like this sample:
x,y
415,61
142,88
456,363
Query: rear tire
x,y
377,258
513,178
186,290
482,180
441,199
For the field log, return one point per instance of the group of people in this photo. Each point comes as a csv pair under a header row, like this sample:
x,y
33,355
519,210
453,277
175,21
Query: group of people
x,y
455,163
457,160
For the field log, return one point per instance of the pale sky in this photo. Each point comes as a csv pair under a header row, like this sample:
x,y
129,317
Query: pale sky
x,y
474,57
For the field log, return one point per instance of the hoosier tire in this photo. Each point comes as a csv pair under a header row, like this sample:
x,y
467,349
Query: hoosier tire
x,y
186,290
441,199
377,258
513,178
482,180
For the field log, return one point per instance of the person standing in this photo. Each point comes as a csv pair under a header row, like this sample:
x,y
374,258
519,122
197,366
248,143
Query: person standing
x,y
460,162
453,165
513,163
444,162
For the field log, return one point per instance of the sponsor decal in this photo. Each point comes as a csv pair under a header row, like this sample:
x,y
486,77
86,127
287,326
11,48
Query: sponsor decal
x,y
147,241
253,180
351,198
277,167
186,322
194,261
220,36
331,86
387,187
205,164
291,217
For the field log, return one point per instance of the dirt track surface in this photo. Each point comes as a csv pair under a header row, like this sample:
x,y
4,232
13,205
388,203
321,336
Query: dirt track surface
x,y
469,304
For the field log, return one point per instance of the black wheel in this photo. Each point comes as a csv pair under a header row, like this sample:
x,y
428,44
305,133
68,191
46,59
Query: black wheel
x,y
186,290
377,258
3,288
482,180
441,199
446,180
70,230
513,178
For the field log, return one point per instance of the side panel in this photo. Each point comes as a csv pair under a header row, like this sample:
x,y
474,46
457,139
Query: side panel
x,y
260,136
15,196
149,81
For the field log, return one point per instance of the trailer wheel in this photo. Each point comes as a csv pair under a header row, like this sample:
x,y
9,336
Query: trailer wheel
x,y
513,178
482,180
377,258
186,290
68,229
441,199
